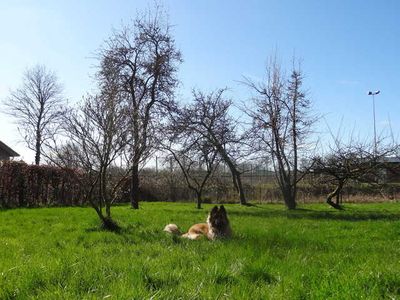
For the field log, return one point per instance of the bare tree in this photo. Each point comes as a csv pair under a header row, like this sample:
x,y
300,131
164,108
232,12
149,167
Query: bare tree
x,y
145,58
38,107
281,124
208,117
96,138
196,158
351,162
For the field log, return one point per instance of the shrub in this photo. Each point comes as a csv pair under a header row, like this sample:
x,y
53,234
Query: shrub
x,y
23,185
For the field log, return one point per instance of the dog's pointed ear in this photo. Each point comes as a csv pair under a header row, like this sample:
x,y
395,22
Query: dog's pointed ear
x,y
222,209
214,210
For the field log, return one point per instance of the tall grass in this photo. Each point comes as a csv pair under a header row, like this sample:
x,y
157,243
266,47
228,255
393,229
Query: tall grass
x,y
311,253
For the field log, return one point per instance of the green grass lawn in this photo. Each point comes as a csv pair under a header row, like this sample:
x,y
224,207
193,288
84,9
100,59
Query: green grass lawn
x,y
311,253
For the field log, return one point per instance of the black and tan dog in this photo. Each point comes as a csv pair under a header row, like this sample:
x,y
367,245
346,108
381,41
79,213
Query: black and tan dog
x,y
217,226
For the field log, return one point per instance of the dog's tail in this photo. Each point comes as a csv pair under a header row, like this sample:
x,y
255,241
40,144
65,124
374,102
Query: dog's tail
x,y
172,229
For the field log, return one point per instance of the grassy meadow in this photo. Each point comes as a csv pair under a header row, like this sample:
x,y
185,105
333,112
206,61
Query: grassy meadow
x,y
311,253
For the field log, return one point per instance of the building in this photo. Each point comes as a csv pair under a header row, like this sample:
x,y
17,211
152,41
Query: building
x,y
391,169
6,152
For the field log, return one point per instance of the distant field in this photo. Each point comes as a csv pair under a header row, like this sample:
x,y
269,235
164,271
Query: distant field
x,y
311,253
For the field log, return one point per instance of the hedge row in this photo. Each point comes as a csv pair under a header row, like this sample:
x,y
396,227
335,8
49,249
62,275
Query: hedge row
x,y
23,185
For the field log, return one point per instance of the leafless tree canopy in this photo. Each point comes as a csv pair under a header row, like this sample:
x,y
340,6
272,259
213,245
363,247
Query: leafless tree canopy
x,y
38,107
143,58
281,123
94,143
352,161
195,156
208,119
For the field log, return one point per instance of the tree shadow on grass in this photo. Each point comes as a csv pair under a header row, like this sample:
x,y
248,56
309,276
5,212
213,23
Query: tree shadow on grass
x,y
348,215
278,244
352,216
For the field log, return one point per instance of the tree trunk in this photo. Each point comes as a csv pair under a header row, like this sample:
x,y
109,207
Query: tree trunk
x,y
336,194
198,200
290,203
103,191
237,181
242,197
109,224
108,210
135,187
289,198
37,148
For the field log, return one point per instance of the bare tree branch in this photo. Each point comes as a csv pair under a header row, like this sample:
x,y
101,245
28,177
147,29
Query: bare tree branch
x,y
38,108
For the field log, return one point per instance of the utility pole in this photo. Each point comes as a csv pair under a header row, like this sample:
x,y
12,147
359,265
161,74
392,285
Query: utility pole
x,y
373,109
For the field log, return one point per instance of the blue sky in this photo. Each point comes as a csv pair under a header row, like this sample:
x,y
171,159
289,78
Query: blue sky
x,y
347,48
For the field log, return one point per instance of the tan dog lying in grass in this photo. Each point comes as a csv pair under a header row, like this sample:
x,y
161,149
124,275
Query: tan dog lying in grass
x,y
217,226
